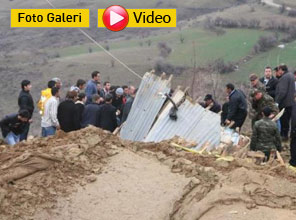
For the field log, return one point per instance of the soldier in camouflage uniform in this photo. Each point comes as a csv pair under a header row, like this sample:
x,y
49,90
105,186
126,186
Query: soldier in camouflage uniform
x,y
266,136
260,101
255,85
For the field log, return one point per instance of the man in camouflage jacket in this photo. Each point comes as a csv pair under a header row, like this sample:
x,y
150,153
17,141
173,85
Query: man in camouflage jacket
x,y
260,101
266,136
255,85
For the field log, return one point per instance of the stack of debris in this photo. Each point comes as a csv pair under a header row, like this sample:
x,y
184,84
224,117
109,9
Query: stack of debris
x,y
156,116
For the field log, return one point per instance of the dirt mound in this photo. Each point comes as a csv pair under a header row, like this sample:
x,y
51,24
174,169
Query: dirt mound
x,y
90,172
51,166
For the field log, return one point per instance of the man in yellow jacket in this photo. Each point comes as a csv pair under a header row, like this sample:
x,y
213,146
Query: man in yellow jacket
x,y
45,95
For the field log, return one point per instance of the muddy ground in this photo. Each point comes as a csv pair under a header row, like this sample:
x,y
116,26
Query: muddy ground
x,y
91,174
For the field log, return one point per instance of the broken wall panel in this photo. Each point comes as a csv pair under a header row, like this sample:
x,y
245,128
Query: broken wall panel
x,y
147,104
194,123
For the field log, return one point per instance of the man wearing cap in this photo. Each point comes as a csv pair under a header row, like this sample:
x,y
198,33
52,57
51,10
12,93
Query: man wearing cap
x,y
265,135
269,81
256,84
285,91
260,101
117,102
210,104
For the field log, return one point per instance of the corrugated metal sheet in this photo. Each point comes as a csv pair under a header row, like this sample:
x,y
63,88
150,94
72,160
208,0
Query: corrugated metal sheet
x,y
194,123
146,107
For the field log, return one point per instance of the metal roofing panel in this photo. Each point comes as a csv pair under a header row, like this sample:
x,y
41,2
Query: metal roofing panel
x,y
194,123
146,107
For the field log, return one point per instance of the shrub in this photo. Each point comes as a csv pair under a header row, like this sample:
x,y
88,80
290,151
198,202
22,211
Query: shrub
x,y
164,49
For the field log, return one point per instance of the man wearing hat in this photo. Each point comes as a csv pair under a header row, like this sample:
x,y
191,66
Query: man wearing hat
x,y
255,84
210,104
117,102
266,136
260,101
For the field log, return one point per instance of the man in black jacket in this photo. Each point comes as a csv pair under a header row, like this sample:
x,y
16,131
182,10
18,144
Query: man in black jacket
x,y
292,161
211,104
107,115
80,105
91,112
12,126
285,91
269,81
67,113
237,107
25,102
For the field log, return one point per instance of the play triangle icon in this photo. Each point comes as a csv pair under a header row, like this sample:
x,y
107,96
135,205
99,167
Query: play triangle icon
x,y
115,18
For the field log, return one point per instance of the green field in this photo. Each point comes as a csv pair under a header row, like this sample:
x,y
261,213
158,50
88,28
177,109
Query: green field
x,y
232,46
271,58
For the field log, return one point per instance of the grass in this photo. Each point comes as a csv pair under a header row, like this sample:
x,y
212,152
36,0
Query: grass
x,y
232,46
271,58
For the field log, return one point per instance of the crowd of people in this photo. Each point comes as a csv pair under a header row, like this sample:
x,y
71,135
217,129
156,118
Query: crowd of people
x,y
107,107
86,103
269,95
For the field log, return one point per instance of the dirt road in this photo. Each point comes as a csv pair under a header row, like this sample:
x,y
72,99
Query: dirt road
x,y
130,187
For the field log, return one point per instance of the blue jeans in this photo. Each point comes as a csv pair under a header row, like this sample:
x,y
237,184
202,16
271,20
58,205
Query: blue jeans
x,y
278,123
12,138
48,131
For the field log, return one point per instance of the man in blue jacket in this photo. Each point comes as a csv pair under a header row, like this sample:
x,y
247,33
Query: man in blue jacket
x,y
90,112
107,115
91,86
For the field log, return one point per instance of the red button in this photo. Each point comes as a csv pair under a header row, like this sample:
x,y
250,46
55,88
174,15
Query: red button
x,y
115,18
